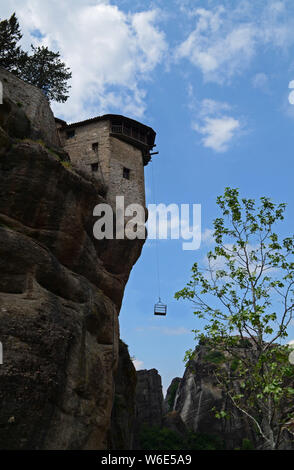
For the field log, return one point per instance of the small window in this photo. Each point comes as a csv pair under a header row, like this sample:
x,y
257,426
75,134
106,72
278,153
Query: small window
x,y
126,173
70,134
94,166
95,147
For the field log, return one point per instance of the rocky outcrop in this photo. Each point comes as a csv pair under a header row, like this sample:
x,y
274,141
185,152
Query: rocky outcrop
x,y
198,393
174,422
124,406
27,102
199,396
171,393
149,402
60,295
149,398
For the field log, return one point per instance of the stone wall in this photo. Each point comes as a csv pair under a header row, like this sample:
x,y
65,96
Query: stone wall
x,y
125,155
80,148
35,105
113,156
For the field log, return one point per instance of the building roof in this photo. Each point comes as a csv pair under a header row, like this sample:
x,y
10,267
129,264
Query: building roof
x,y
116,121
107,117
61,121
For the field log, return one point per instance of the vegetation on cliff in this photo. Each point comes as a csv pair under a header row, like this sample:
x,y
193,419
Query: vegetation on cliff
x,y
166,439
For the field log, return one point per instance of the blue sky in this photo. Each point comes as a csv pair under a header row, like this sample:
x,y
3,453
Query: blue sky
x,y
212,79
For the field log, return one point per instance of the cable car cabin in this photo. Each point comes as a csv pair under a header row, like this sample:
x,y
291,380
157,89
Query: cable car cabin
x,y
160,308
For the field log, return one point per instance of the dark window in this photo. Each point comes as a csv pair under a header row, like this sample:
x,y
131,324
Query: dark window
x,y
95,147
94,166
126,173
70,134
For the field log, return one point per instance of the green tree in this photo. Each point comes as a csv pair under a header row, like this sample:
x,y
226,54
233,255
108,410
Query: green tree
x,y
245,294
154,438
10,52
45,70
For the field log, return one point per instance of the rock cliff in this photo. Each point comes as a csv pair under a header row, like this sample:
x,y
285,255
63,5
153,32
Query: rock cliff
x,y
60,291
171,393
149,402
198,393
187,419
188,404
124,407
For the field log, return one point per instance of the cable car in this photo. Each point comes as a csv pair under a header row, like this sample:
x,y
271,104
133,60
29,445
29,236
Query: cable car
x,y
160,308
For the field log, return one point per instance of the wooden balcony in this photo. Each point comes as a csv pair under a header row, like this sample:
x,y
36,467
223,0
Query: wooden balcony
x,y
133,133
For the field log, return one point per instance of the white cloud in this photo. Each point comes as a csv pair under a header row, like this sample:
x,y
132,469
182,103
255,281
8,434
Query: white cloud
x,y
217,49
291,97
209,107
149,40
225,39
109,52
178,331
217,128
207,236
291,94
218,132
175,331
291,355
138,364
220,263
261,81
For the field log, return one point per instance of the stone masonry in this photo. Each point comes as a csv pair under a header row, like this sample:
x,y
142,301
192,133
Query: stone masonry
x,y
112,148
32,101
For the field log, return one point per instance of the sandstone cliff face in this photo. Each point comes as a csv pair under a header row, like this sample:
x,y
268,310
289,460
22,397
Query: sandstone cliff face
x,y
60,295
124,406
149,402
149,398
198,393
171,393
173,421
188,405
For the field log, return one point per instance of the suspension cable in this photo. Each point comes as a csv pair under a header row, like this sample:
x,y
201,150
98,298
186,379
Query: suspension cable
x,y
156,241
